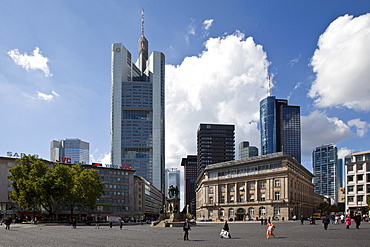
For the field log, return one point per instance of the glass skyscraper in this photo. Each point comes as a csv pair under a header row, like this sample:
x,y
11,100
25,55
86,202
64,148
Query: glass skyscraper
x,y
246,151
70,151
327,173
138,112
172,178
280,127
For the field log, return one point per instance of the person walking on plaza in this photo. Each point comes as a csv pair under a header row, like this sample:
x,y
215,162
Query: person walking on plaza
x,y
110,224
302,219
270,230
227,229
326,222
120,224
97,223
186,229
357,219
7,223
348,221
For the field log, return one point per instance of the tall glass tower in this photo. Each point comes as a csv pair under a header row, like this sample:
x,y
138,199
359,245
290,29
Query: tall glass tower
x,y
280,127
327,173
138,112
70,150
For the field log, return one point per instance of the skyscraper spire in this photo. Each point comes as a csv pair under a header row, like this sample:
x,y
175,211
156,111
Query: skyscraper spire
x,y
268,86
142,22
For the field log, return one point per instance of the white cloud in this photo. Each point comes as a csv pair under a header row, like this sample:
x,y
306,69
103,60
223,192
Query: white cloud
x,y
341,63
342,152
361,126
34,61
190,30
207,24
319,129
47,97
224,84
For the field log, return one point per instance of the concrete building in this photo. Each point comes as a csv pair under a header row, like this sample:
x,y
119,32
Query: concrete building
x,y
190,182
358,182
172,178
326,170
280,127
246,151
269,186
70,151
138,111
215,143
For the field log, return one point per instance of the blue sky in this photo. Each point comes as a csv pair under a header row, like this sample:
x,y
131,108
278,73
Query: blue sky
x,y
55,69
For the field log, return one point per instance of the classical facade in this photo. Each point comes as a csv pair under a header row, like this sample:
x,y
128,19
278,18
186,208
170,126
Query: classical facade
x,y
272,185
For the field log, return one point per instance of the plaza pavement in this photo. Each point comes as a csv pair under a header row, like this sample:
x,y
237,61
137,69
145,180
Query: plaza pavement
x,y
204,234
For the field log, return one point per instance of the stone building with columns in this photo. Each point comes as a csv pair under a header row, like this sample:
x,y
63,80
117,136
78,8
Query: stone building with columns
x,y
269,186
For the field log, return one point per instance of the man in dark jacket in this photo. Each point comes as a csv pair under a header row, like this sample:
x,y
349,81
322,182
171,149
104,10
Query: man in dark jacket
x,y
357,219
186,229
326,222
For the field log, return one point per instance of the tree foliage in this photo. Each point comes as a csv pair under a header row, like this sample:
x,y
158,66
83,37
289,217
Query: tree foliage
x,y
35,185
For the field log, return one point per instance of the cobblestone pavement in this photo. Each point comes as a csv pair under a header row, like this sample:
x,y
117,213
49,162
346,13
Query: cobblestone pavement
x,y
204,234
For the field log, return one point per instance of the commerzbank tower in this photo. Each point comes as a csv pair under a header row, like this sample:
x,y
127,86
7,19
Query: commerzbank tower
x,y
138,111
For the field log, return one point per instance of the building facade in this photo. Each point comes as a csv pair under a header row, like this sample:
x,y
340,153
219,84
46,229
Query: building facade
x,y
190,182
246,151
70,150
326,170
172,178
280,127
215,143
269,186
138,112
358,182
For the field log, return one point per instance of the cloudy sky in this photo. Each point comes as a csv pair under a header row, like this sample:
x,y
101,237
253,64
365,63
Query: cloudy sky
x,y
55,69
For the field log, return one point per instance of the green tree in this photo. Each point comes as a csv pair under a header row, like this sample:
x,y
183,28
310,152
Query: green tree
x,y
86,188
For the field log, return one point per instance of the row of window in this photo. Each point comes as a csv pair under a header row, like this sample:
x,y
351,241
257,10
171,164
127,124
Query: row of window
x,y
251,212
242,199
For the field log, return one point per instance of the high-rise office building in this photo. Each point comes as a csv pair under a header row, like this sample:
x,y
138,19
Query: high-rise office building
x,y
215,144
246,151
138,112
70,151
190,182
325,169
172,178
358,183
280,127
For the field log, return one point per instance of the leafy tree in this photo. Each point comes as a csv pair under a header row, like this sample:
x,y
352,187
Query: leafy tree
x,y
86,188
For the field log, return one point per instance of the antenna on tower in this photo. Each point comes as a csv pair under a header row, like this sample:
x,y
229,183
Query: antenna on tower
x,y
268,86
142,22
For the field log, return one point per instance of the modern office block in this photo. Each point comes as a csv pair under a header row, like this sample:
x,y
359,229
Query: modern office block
x,y
325,169
358,183
215,143
246,151
70,151
280,127
138,112
190,182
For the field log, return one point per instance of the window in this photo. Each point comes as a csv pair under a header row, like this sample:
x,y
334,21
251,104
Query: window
x,y
360,188
262,184
262,211
222,188
222,199
277,195
360,198
360,167
277,182
232,199
350,178
210,213
349,168
350,188
231,212
251,211
263,197
232,188
350,199
211,200
251,198
241,199
360,177
222,213
276,210
251,186
210,190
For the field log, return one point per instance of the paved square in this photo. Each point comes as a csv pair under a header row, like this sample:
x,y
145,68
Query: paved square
x,y
204,234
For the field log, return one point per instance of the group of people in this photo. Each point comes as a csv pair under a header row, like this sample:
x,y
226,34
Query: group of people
x,y
347,220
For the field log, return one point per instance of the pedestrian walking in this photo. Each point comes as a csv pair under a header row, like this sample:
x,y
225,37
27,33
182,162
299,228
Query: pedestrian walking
x,y
110,224
270,230
7,223
120,224
186,229
74,223
326,222
225,232
97,223
348,221
358,219
302,219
